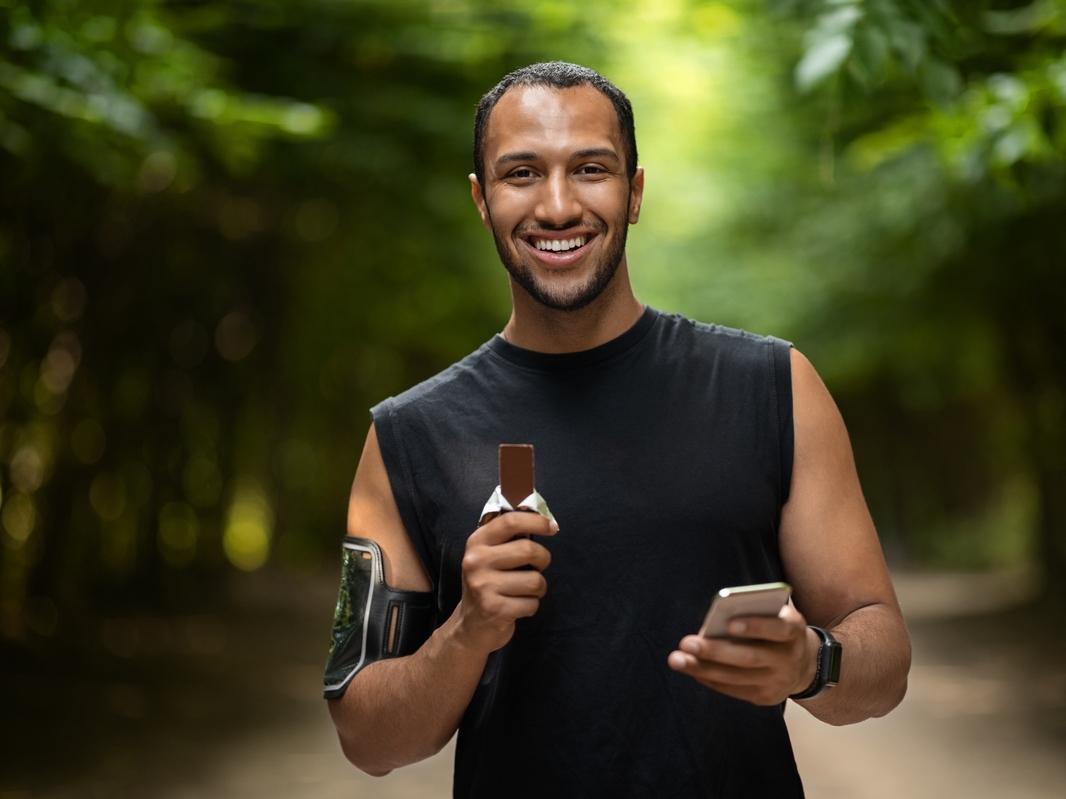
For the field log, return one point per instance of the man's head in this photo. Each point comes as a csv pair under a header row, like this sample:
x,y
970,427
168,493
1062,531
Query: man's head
x,y
556,75
556,180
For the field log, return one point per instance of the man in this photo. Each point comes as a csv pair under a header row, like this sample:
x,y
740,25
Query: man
x,y
678,458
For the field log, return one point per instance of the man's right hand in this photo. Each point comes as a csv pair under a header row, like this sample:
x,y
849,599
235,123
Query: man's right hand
x,y
395,711
497,590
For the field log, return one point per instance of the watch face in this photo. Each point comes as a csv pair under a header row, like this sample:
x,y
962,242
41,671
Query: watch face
x,y
834,654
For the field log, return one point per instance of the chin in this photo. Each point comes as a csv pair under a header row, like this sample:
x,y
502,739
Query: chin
x,y
564,288
572,297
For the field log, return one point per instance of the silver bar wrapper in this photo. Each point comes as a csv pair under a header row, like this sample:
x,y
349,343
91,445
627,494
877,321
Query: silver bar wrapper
x,y
498,504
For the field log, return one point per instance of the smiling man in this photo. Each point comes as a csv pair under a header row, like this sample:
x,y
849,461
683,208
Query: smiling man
x,y
679,458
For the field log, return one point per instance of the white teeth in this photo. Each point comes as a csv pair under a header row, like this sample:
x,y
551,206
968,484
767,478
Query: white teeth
x,y
559,245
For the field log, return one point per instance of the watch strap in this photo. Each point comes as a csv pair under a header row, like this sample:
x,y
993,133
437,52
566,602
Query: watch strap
x,y
827,666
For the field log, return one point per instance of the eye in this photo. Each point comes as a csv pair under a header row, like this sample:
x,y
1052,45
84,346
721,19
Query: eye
x,y
522,173
591,169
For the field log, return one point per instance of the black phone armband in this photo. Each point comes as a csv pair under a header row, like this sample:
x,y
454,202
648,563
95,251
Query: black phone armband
x,y
372,621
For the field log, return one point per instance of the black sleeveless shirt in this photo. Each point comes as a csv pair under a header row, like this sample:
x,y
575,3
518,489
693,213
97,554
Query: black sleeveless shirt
x,y
665,455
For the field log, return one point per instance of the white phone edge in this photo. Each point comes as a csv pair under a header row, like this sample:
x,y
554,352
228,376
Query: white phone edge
x,y
760,599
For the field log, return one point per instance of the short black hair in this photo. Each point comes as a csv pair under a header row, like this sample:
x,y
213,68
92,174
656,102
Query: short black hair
x,y
557,75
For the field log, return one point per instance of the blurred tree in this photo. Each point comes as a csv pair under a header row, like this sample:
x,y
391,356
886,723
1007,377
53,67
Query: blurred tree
x,y
215,226
939,130
226,229
856,176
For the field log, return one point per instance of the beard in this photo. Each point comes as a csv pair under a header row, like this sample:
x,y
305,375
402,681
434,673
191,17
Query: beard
x,y
573,298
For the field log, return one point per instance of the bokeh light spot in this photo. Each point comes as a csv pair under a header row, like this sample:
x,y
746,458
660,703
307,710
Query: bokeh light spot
x,y
47,401
27,469
235,336
59,365
18,517
302,119
246,540
209,104
157,171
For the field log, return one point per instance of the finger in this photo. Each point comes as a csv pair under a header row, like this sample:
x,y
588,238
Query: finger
x,y
520,607
522,584
765,628
521,552
498,608
680,661
715,673
740,654
508,525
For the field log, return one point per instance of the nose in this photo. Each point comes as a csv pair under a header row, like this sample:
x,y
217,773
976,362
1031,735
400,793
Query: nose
x,y
558,205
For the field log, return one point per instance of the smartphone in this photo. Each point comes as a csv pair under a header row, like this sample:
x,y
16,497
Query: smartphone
x,y
763,599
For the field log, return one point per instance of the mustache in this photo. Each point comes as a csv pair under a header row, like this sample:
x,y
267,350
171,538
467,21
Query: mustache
x,y
532,230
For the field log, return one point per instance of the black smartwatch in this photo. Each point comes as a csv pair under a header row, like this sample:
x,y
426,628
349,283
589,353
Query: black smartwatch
x,y
827,669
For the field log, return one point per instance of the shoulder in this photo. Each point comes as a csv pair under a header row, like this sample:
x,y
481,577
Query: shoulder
x,y
819,425
721,345
680,329
449,387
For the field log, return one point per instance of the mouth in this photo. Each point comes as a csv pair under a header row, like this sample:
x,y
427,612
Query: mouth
x,y
556,250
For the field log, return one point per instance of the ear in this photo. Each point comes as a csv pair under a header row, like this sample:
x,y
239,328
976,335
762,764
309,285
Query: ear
x,y
479,200
636,195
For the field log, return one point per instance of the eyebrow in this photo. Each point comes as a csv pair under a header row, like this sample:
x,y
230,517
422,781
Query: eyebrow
x,y
590,152
597,152
508,158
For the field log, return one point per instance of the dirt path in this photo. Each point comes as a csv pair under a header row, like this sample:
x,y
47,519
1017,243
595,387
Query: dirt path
x,y
229,706
985,712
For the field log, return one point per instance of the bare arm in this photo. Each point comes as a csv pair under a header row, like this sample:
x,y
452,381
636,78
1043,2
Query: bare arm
x,y
402,710
832,558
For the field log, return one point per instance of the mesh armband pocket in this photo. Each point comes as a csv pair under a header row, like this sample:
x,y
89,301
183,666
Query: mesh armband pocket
x,y
372,621
347,646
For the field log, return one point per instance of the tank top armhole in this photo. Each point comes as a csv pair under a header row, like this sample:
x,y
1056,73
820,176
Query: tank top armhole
x,y
782,366
401,477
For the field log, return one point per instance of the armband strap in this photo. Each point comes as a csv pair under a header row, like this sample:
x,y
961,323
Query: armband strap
x,y
373,621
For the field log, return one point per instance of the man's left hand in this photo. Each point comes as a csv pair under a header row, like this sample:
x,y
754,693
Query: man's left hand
x,y
764,661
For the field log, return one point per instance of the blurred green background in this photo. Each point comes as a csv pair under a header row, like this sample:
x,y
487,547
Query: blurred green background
x,y
227,229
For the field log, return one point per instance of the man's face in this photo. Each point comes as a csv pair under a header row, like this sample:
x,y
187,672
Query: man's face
x,y
556,196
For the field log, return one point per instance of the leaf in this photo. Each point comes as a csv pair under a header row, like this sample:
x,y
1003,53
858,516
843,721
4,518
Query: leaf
x,y
1028,19
908,39
871,51
941,81
839,21
821,60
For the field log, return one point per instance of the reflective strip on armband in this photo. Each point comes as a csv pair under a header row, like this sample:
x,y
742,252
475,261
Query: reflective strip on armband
x,y
372,621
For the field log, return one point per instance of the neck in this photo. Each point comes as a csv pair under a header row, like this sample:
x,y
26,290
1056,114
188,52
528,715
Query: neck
x,y
536,327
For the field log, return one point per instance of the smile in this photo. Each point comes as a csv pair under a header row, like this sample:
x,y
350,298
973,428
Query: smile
x,y
559,245
559,252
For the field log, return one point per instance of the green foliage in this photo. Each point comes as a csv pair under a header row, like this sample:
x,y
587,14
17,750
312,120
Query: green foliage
x,y
226,229
938,291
